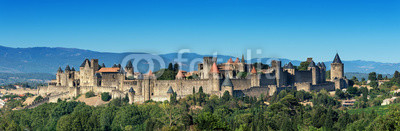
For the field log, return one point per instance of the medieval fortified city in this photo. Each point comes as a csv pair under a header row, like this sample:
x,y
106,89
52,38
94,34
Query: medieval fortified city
x,y
215,78
199,65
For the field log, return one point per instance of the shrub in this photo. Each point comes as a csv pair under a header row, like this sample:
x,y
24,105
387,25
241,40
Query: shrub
x,y
38,98
105,96
89,94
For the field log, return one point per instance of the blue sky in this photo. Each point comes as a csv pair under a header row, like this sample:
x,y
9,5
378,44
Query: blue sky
x,y
358,30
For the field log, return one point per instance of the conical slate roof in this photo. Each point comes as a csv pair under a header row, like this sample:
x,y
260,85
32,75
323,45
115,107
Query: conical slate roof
x,y
337,59
312,64
227,82
290,65
67,68
319,64
323,65
59,69
131,90
129,64
84,62
170,90
115,65
121,70
103,65
72,69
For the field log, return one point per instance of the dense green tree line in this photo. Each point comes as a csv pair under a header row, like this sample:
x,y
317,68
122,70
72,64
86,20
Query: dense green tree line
x,y
200,111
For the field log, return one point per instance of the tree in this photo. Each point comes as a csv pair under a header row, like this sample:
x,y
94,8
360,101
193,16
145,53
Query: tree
x,y
372,76
170,66
328,74
38,98
396,74
380,77
89,94
176,67
226,97
303,66
166,74
105,96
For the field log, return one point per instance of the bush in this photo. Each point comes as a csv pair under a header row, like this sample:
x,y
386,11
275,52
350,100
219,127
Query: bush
x,y
38,98
105,96
89,94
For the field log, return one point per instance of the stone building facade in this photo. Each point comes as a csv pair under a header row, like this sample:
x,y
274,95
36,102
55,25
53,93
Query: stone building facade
x,y
214,78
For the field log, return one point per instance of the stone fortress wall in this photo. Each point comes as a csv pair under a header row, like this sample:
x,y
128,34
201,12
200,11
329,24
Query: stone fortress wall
x,y
214,78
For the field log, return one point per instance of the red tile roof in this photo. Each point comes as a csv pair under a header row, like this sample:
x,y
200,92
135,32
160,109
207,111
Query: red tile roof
x,y
109,69
229,61
253,71
180,74
214,68
237,60
150,73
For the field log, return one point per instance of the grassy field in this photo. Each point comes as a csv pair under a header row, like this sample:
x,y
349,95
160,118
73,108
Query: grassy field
x,y
381,110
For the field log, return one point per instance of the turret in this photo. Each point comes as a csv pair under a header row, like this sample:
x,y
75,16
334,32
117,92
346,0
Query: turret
x,y
255,79
214,76
207,64
315,73
129,69
227,85
58,76
170,92
59,70
131,95
337,68
67,69
290,68
237,60
230,61
322,69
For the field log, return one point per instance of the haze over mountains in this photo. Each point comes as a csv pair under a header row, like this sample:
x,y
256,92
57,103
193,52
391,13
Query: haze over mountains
x,y
47,60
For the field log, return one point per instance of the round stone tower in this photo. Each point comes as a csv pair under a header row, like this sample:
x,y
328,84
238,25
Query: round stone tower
x,y
337,68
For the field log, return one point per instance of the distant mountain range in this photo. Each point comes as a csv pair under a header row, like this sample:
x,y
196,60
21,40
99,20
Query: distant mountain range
x,y
47,60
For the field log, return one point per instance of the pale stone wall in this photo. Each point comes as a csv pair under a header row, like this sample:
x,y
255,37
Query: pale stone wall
x,y
306,86
337,71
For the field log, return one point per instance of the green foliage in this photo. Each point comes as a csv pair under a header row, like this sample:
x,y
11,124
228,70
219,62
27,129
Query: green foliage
x,y
260,65
328,74
242,75
38,98
303,66
166,74
372,76
105,96
89,94
200,111
209,121
170,66
176,67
